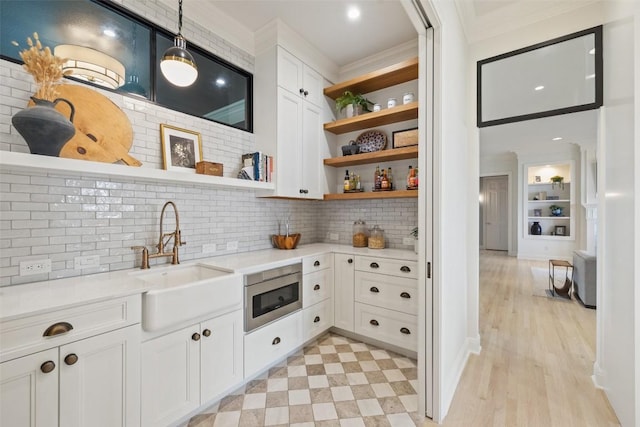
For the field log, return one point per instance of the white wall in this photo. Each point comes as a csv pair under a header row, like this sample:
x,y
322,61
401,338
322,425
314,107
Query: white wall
x,y
617,358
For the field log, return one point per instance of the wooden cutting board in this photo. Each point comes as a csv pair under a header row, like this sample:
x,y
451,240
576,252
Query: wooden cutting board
x,y
103,131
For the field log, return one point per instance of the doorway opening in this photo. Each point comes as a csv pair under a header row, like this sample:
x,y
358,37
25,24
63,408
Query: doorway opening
x,y
494,213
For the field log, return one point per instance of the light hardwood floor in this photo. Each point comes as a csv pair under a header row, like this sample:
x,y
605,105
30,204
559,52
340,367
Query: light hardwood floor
x,y
537,356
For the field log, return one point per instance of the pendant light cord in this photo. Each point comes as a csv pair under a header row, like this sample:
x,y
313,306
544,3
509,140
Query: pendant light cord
x,y
180,18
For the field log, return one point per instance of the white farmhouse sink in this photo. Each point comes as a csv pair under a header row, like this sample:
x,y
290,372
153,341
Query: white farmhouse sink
x,y
185,292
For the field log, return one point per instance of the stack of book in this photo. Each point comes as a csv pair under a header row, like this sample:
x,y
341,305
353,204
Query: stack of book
x,y
257,166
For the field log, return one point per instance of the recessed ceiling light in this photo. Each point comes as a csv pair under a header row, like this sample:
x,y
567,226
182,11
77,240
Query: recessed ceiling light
x,y
353,13
109,32
592,51
538,87
557,138
220,82
590,76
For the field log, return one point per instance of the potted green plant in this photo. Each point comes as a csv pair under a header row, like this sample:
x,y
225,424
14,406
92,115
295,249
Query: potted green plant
x,y
414,233
556,210
354,103
557,179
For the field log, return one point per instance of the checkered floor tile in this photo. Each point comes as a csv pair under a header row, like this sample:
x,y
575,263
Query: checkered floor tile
x,y
334,382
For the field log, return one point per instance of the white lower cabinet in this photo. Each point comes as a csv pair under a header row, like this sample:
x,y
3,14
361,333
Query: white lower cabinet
x,y
343,288
264,346
93,381
317,319
189,367
387,325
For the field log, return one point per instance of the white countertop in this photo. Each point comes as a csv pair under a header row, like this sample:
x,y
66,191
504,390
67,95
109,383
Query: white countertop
x,y
40,297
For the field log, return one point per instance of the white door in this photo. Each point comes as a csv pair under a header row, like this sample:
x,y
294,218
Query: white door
x,y
221,357
289,72
289,144
29,390
496,213
100,380
170,376
344,268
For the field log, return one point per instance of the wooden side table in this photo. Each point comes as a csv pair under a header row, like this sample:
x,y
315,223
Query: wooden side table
x,y
568,282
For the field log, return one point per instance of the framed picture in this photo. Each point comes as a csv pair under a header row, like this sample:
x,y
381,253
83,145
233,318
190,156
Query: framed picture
x,y
537,212
181,148
538,179
405,138
560,230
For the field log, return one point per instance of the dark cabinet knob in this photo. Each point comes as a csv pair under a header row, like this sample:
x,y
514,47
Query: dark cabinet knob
x,y
71,359
317,319
405,269
276,341
301,191
316,264
47,366
374,322
374,289
301,91
206,332
350,260
195,337
316,288
405,295
405,331
306,93
374,265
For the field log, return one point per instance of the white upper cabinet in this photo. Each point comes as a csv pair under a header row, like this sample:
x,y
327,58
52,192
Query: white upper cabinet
x,y
297,77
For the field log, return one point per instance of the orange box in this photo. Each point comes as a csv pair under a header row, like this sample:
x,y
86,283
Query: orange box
x,y
209,168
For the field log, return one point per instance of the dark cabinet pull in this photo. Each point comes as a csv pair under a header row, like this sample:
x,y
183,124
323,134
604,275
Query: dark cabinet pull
x,y
316,264
374,322
71,359
276,341
316,288
306,93
374,265
374,289
57,329
350,260
405,331
405,269
47,366
405,295
206,332
195,337
317,319
301,191
301,91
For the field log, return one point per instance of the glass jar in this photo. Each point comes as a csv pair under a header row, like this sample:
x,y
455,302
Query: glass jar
x,y
407,98
376,238
391,102
377,107
360,234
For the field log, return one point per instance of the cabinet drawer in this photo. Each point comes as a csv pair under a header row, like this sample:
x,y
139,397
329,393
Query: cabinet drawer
x,y
317,319
394,293
316,287
24,336
393,267
386,325
266,345
316,262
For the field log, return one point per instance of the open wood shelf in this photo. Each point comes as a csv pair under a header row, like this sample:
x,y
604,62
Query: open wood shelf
x,y
385,77
396,194
370,120
377,156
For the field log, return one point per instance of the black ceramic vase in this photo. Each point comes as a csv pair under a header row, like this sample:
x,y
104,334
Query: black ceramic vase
x,y
536,230
44,128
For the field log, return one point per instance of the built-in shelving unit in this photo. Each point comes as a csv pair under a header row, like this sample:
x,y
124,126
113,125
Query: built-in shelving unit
x,y
544,194
383,78
46,164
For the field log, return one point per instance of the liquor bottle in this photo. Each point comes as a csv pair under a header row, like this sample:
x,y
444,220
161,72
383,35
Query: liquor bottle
x,y
413,179
390,178
409,176
352,181
358,185
384,181
346,184
417,177
376,179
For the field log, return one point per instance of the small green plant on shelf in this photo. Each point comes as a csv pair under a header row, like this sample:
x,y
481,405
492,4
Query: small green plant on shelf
x,y
414,232
358,101
557,179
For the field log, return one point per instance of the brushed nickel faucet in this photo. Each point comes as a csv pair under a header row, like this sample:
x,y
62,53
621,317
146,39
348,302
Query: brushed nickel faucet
x,y
176,236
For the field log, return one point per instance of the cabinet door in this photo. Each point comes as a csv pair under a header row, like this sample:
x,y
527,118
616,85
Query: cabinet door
x,y
312,83
316,287
311,161
28,396
343,285
100,380
170,376
290,72
221,355
317,319
288,166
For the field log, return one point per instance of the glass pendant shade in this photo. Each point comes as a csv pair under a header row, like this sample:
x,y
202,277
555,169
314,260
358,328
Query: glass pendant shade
x,y
177,65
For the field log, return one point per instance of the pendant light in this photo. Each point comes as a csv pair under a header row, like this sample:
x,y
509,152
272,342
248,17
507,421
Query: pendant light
x,y
177,65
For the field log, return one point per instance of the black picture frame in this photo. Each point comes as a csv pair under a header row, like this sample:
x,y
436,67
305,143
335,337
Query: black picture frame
x,y
404,138
598,80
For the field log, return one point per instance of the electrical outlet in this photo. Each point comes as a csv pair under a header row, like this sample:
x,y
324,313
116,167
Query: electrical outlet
x,y
89,261
334,236
232,246
208,248
28,268
409,241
